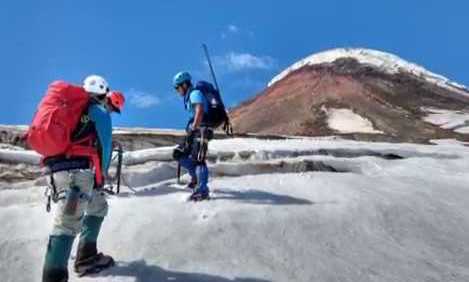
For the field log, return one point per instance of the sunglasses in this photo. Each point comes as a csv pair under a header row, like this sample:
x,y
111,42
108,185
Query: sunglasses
x,y
101,96
177,86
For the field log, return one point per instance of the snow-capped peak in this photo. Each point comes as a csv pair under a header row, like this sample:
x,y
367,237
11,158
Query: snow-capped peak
x,y
386,62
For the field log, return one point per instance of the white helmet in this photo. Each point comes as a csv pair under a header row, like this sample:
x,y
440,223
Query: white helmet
x,y
96,84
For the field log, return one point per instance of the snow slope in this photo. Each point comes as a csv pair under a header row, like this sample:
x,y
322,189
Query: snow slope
x,y
386,62
376,220
455,120
346,121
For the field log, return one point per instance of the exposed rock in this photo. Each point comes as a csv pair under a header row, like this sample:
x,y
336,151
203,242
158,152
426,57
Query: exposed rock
x,y
392,101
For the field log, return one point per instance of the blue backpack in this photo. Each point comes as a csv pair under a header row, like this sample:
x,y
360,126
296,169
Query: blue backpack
x,y
216,115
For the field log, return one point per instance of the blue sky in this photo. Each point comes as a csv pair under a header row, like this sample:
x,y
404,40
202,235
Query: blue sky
x,y
139,45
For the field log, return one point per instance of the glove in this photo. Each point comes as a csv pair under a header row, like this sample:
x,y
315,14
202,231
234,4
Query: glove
x,y
180,152
191,130
191,135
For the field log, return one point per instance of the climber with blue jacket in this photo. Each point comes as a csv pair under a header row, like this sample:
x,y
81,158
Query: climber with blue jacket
x,y
192,154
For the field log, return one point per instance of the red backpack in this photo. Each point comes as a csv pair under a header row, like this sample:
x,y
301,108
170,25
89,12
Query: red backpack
x,y
57,116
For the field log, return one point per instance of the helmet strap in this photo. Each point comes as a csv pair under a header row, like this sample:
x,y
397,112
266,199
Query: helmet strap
x,y
188,87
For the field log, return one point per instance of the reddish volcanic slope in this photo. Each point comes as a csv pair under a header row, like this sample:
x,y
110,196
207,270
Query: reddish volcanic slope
x,y
392,104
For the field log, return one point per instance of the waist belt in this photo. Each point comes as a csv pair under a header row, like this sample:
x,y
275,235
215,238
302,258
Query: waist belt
x,y
56,165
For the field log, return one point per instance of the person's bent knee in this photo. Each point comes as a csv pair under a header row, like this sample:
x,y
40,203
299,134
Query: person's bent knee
x,y
98,206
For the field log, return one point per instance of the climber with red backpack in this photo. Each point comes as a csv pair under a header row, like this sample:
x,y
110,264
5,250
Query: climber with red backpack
x,y
72,130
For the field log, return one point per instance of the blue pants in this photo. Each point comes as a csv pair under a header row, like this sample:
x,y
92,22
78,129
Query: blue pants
x,y
197,171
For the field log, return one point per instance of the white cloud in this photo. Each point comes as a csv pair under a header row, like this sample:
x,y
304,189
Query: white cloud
x,y
244,61
232,28
142,100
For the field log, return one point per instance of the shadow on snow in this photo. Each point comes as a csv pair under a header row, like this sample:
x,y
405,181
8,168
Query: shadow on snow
x,y
250,196
151,273
258,197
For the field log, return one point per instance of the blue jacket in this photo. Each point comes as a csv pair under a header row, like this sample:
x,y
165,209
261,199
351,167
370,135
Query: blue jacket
x,y
193,97
103,125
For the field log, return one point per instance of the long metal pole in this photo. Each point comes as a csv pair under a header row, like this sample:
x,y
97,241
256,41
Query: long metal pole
x,y
210,66
178,173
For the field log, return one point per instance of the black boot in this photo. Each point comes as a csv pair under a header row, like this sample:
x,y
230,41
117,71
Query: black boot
x,y
192,185
89,261
198,195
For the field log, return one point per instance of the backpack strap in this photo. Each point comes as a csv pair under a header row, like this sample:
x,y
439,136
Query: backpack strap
x,y
227,127
187,97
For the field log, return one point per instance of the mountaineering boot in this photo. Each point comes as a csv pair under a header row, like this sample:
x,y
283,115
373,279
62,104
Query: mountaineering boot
x,y
88,260
57,254
199,195
201,192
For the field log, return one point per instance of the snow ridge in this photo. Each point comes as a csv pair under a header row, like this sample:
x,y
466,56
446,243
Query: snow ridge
x,y
386,62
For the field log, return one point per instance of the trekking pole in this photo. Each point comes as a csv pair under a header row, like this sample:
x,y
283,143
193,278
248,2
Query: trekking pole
x,y
120,152
178,173
210,66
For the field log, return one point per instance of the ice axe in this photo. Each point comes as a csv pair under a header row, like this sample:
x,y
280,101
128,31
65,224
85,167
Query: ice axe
x,y
117,148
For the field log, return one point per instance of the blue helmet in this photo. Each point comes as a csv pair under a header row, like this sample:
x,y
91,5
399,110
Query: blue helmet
x,y
181,77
